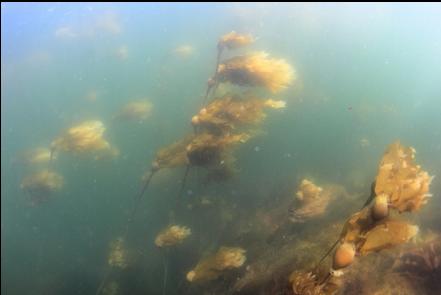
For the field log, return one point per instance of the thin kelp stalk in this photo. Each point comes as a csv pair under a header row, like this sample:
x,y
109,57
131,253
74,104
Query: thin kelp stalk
x,y
129,221
326,254
212,82
195,130
51,157
104,280
207,93
165,258
169,237
141,194
181,190
372,195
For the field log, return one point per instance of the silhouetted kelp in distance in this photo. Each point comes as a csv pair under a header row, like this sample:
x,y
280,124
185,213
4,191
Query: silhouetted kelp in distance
x,y
400,186
135,110
42,182
41,155
84,138
118,258
41,185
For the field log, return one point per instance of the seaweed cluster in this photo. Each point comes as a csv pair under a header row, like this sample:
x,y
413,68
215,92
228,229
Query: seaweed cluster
x,y
213,266
219,125
234,40
256,70
36,156
172,235
41,185
402,186
86,137
225,122
230,112
118,255
312,199
135,110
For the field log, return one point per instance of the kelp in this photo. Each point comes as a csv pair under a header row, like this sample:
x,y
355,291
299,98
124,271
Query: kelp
x,y
172,235
135,110
400,185
234,40
402,180
118,254
213,266
86,137
41,185
256,70
312,202
230,112
36,156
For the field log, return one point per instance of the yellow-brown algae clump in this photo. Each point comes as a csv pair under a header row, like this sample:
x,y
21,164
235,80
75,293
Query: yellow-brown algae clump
x,y
256,70
85,137
213,266
207,150
313,201
230,112
234,40
183,51
404,182
228,257
135,110
118,254
172,235
38,156
275,104
308,191
305,283
173,155
41,185
308,283
343,256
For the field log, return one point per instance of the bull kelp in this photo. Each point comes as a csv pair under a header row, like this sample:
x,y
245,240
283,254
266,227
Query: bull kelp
x,y
220,148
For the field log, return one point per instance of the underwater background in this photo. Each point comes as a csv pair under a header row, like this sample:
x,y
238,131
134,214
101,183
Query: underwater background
x,y
366,76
